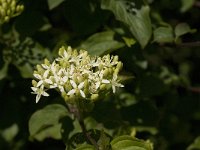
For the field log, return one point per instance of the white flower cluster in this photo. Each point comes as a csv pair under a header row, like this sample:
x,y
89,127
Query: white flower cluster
x,y
77,75
9,9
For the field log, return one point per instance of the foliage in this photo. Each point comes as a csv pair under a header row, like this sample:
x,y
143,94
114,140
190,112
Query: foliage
x,y
157,42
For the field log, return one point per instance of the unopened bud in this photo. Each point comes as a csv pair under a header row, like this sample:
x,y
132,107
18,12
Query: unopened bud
x,y
13,4
6,19
61,51
119,65
2,12
94,97
39,68
34,83
103,87
8,12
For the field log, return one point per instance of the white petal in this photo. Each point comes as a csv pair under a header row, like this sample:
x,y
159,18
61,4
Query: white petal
x,y
38,98
65,54
71,70
45,94
37,76
113,88
80,86
97,85
53,86
120,85
71,92
73,84
61,88
65,78
39,83
34,89
48,81
46,73
60,72
45,66
82,93
58,59
105,81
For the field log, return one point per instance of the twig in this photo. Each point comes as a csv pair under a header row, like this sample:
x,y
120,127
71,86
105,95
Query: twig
x,y
194,89
74,110
189,44
197,4
87,135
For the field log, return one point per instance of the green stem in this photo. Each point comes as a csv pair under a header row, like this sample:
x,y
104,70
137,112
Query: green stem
x,y
78,115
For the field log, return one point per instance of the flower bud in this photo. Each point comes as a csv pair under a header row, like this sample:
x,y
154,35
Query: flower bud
x,y
106,72
115,59
8,12
75,53
119,65
94,97
102,87
39,68
4,5
46,62
34,83
61,51
6,19
2,12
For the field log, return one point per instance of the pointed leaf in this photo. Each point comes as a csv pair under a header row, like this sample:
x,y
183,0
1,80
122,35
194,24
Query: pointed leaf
x,y
195,145
10,133
186,5
163,35
85,147
54,3
138,21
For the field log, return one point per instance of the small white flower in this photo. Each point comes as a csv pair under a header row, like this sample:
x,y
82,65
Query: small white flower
x,y
39,91
75,88
115,83
64,57
99,79
43,78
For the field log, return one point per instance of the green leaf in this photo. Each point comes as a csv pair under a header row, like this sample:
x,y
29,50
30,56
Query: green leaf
x,y
10,133
104,141
129,41
138,22
45,122
85,147
186,5
79,138
183,28
163,35
100,43
54,3
126,142
195,145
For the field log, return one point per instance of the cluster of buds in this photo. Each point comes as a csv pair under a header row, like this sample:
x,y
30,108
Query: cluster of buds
x,y
9,9
77,75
